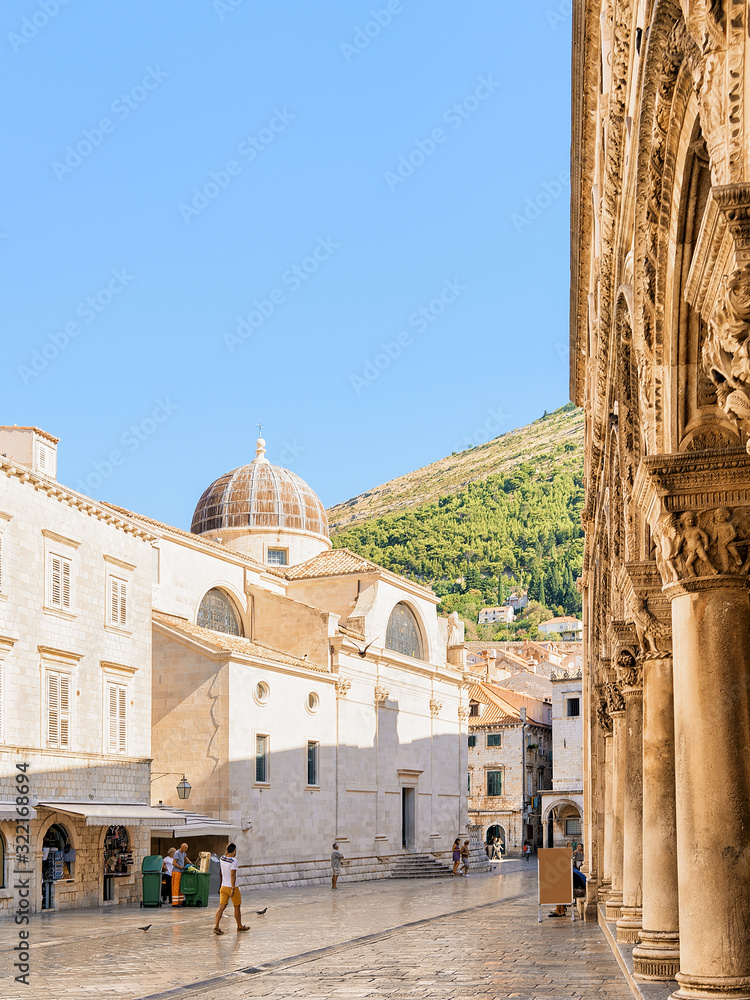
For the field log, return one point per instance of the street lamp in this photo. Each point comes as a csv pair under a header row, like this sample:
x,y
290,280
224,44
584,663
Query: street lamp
x,y
183,786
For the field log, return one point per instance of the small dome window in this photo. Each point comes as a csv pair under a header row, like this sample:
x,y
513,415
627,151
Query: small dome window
x,y
217,613
262,692
313,702
403,634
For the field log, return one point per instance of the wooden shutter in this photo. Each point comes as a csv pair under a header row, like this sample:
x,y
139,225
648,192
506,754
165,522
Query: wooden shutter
x,y
55,590
123,603
65,583
64,710
1,562
112,717
122,719
1,700
53,709
114,594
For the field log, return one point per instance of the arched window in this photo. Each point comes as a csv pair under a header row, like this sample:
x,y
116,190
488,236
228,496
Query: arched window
x,y
403,635
217,613
2,862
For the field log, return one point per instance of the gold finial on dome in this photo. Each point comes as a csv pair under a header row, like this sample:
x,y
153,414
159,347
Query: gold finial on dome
x,y
260,453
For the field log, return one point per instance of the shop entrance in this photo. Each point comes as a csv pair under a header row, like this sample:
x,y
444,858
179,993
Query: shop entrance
x,y
58,862
118,859
496,842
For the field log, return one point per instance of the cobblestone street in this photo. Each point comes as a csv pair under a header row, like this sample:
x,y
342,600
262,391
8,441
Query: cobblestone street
x,y
443,938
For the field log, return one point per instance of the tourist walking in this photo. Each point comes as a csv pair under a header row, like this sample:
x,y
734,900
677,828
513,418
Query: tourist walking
x,y
229,890
527,850
456,855
179,861
465,858
336,858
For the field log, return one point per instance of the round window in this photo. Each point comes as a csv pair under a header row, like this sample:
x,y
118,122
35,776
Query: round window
x,y
262,692
313,701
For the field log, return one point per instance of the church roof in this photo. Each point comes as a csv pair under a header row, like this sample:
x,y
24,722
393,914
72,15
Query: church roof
x,y
260,495
216,546
343,562
223,642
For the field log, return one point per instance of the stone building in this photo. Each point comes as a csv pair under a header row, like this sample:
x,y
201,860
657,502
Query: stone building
x,y
307,694
509,765
562,803
659,326
75,685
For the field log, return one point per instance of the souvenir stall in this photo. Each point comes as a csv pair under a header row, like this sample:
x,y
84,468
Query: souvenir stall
x,y
118,858
58,860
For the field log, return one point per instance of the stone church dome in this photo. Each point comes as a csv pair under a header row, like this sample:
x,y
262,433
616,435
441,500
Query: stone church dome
x,y
262,510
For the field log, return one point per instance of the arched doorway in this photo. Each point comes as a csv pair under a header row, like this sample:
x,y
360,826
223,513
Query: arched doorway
x,y
58,862
495,837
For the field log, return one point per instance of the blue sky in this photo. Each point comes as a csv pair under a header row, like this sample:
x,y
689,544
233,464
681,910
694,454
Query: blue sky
x,y
348,220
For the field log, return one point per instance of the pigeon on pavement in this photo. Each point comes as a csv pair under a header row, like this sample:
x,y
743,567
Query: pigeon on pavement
x,y
144,928
261,912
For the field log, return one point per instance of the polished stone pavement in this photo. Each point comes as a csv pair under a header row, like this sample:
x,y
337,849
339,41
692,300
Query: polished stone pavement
x,y
443,938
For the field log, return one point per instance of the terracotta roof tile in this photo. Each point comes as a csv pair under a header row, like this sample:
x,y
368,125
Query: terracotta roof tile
x,y
343,562
37,430
225,643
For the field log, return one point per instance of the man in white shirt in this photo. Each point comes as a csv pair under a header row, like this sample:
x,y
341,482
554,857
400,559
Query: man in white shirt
x,y
229,889
336,858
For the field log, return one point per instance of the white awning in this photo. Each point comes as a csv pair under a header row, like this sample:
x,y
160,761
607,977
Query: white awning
x,y
9,810
115,813
192,824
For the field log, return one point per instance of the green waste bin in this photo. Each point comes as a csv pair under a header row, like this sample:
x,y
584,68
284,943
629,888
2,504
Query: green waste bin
x,y
151,873
194,886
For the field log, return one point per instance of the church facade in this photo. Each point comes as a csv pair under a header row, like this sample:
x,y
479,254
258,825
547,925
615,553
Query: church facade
x,y
306,694
659,332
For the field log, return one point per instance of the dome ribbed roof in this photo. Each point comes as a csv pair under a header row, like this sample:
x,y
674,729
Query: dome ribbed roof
x,y
260,495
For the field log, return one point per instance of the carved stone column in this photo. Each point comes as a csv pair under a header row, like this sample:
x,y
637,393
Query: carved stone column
x,y
616,705
698,505
657,956
630,674
605,726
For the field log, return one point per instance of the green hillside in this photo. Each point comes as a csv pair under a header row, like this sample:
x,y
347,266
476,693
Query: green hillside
x,y
504,514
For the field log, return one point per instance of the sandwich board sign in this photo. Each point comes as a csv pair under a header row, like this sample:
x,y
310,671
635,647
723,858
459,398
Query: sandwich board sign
x,y
555,878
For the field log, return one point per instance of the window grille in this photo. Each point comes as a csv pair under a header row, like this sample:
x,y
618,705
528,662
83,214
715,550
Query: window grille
x,y
573,707
312,762
216,612
261,759
572,827
403,635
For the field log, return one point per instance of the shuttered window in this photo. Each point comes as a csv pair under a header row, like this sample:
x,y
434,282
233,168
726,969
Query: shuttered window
x,y
2,717
117,718
1,561
58,594
58,709
118,602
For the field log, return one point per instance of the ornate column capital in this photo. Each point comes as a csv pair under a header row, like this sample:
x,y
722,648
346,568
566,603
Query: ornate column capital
x,y
697,505
342,687
463,713
649,609
435,707
381,695
629,673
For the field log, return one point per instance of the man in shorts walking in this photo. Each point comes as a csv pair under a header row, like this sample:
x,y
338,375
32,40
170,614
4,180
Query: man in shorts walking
x,y
336,858
229,889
